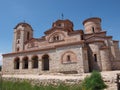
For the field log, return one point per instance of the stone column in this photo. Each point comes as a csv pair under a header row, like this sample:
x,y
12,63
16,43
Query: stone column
x,y
21,65
29,64
40,65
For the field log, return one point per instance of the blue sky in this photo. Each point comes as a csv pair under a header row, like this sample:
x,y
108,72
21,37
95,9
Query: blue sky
x,y
40,14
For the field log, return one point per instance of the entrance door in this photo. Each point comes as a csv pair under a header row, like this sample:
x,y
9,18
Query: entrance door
x,y
45,62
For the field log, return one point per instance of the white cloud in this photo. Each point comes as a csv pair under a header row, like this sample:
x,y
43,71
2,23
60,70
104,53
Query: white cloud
x,y
0,58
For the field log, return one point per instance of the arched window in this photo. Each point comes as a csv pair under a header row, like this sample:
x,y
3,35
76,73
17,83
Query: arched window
x,y
16,63
25,62
45,62
82,38
93,29
55,38
68,58
35,62
18,41
95,57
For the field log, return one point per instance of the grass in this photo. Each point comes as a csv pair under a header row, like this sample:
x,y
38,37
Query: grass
x,y
8,85
93,82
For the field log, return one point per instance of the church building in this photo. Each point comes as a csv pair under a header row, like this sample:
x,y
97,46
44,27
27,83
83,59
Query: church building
x,y
62,49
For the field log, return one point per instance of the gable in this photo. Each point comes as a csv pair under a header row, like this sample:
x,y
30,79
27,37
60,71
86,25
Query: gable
x,y
57,35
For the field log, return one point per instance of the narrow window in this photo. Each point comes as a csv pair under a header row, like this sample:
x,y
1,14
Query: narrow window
x,y
93,30
54,38
95,57
68,58
82,37
57,37
18,42
18,49
59,25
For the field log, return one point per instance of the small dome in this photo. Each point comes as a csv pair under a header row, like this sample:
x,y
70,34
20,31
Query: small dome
x,y
92,25
91,19
23,24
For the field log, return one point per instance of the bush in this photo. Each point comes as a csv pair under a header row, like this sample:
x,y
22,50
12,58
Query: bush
x,y
0,68
93,82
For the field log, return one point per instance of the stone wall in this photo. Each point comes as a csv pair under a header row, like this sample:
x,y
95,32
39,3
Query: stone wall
x,y
105,60
55,61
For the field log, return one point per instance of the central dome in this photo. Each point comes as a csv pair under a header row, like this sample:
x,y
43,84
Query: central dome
x,y
67,24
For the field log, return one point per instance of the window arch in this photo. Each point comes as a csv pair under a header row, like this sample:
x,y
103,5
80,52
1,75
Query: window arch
x,y
69,57
35,61
56,36
16,63
25,62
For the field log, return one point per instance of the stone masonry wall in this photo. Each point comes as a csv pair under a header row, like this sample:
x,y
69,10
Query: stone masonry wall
x,y
55,64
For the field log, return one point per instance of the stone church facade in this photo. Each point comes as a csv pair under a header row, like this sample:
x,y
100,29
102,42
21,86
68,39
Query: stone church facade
x,y
62,49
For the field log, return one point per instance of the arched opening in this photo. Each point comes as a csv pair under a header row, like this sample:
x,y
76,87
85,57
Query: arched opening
x,y
95,57
16,63
35,62
25,62
56,38
45,62
68,58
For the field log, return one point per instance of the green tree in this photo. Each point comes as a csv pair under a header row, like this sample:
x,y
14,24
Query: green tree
x,y
93,82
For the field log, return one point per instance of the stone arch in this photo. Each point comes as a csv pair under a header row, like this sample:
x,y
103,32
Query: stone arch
x,y
56,36
34,61
45,62
68,57
25,62
17,63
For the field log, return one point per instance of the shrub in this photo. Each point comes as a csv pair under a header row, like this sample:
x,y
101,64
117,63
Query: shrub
x,y
93,82
0,68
